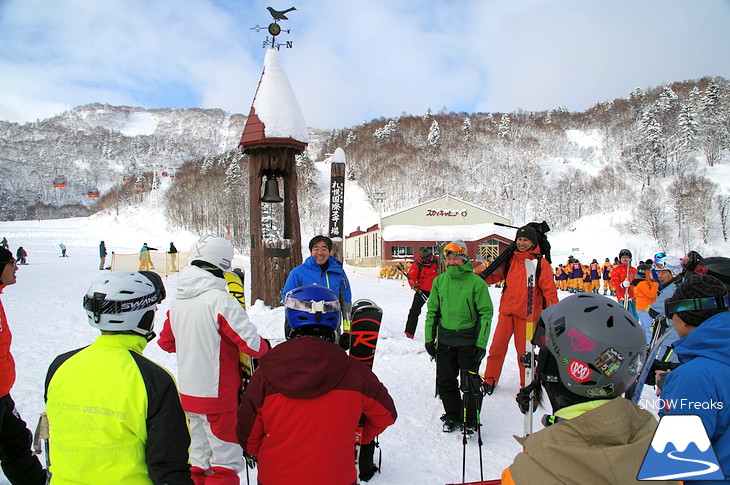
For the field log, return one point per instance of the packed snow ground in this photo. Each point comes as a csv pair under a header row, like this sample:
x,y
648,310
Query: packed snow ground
x,y
46,317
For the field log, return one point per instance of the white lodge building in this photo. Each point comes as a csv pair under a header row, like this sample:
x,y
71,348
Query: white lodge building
x,y
402,234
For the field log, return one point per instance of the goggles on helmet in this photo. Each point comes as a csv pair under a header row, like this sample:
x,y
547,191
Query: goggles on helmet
x,y
311,306
659,260
99,305
695,304
454,249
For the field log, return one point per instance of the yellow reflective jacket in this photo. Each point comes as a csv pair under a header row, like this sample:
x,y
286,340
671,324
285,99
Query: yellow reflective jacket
x,y
115,417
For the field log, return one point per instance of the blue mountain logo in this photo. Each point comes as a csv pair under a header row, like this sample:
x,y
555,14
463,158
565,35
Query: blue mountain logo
x,y
680,450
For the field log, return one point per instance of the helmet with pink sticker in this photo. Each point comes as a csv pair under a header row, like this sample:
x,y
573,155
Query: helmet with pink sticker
x,y
598,347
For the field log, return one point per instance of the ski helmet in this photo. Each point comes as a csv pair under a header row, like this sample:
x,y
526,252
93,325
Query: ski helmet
x,y
624,252
668,263
214,250
642,269
124,302
311,305
598,347
719,267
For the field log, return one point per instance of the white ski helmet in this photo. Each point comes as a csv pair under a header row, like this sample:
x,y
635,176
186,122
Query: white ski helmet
x,y
215,250
124,302
598,346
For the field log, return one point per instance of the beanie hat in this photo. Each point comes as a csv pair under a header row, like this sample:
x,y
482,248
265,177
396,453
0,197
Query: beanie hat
x,y
457,247
425,253
527,232
319,238
694,290
5,257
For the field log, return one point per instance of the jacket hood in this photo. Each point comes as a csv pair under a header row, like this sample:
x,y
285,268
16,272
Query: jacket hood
x,y
460,271
305,367
710,340
194,281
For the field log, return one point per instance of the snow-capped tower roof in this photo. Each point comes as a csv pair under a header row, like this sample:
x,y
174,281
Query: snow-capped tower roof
x,y
275,117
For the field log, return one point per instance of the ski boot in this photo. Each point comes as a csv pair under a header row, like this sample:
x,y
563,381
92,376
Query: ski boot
x,y
450,424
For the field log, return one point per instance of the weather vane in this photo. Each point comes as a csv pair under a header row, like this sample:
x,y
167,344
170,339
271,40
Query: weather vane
x,y
275,29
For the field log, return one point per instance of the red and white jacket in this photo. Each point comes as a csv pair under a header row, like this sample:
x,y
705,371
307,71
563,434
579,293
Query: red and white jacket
x,y
207,326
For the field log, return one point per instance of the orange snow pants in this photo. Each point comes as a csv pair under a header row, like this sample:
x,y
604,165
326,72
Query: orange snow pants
x,y
507,326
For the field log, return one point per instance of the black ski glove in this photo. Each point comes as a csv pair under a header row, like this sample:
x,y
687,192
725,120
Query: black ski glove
x,y
479,354
431,349
345,340
251,460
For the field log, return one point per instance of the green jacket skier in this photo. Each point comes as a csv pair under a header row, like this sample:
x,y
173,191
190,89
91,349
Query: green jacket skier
x,y
458,321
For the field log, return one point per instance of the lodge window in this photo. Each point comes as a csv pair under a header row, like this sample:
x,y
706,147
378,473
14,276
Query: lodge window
x,y
401,251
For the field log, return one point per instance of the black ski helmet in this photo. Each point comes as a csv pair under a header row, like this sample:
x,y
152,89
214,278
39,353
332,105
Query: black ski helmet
x,y
624,252
719,267
597,346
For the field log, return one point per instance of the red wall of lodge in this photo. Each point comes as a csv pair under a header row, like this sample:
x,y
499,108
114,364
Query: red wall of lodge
x,y
471,246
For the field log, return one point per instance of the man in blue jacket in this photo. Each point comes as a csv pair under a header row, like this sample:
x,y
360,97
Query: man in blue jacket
x,y
322,269
701,384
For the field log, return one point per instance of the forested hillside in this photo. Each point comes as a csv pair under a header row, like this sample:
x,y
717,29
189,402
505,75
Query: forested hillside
x,y
653,155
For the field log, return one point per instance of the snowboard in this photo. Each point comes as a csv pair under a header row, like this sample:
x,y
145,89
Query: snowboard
x,y
365,319
234,282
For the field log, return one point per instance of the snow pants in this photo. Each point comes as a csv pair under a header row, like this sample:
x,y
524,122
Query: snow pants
x,y
215,455
415,312
646,321
19,464
449,362
507,326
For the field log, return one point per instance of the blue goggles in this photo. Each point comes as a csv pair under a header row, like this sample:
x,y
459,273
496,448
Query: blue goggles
x,y
695,304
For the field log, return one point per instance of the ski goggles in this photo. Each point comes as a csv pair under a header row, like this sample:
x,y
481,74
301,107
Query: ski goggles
x,y
311,306
454,249
659,260
696,304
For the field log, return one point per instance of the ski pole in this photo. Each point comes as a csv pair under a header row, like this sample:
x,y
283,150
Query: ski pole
x,y
626,294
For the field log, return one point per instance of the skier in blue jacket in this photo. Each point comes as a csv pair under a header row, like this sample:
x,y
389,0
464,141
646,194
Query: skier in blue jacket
x,y
701,384
322,269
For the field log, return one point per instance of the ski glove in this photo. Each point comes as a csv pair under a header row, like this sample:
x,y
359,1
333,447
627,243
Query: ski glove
x,y
345,340
251,460
625,284
479,354
431,349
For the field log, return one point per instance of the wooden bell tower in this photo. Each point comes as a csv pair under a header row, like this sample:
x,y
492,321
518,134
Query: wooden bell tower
x,y
275,133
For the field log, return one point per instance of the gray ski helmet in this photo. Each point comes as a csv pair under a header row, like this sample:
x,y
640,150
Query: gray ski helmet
x,y
598,345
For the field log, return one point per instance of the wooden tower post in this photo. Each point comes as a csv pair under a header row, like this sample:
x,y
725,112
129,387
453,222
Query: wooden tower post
x,y
274,134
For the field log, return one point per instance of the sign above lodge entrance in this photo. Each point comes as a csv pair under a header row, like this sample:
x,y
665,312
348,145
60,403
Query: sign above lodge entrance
x,y
446,213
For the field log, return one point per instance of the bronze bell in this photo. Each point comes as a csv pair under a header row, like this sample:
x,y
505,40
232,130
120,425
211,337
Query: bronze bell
x,y
271,191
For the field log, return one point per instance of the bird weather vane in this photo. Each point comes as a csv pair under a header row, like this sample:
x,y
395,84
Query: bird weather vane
x,y
275,29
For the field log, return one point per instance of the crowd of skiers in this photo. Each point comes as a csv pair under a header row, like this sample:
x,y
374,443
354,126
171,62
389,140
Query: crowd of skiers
x,y
590,351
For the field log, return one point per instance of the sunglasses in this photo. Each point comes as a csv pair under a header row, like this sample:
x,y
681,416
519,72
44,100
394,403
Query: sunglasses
x,y
695,304
9,261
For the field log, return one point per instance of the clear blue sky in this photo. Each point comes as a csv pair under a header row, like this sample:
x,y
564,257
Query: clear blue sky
x,y
353,61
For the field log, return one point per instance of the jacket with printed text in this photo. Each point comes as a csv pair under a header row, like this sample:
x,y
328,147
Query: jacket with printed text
x,y
115,416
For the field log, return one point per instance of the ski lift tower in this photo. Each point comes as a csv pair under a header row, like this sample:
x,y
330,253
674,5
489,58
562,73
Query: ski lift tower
x,y
275,133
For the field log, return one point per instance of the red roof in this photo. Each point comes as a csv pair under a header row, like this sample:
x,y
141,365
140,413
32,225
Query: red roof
x,y
254,135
